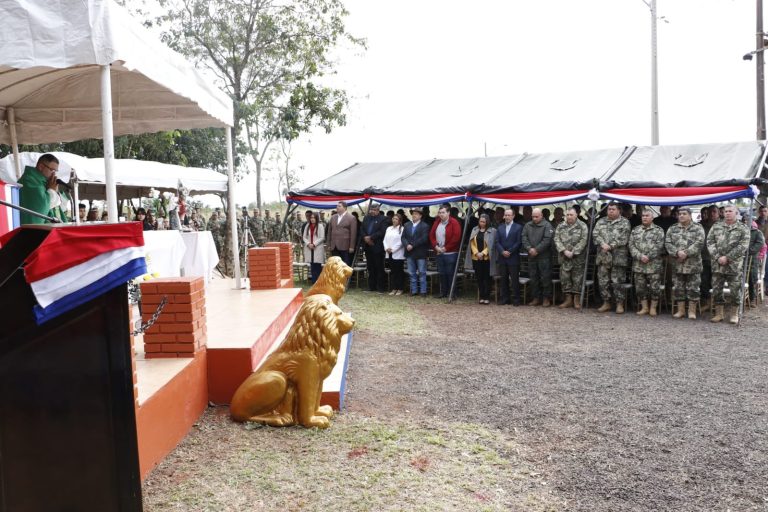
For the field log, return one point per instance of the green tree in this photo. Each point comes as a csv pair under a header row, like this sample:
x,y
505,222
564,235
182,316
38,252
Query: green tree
x,y
272,58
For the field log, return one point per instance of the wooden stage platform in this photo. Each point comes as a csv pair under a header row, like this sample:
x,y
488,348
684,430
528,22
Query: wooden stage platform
x,y
244,326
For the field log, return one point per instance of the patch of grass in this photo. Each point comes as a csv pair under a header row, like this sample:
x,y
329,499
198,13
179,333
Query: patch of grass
x,y
358,464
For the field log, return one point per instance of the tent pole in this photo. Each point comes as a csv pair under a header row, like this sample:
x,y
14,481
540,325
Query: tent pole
x,y
590,226
288,211
109,143
231,209
467,215
76,187
14,141
746,260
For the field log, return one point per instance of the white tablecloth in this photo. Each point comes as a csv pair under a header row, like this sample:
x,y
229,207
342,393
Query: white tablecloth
x,y
165,252
200,258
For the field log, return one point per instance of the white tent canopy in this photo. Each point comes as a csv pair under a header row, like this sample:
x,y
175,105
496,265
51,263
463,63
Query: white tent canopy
x,y
134,178
77,69
50,58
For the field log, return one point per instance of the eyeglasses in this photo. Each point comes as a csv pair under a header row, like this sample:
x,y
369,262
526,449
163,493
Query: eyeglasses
x,y
49,167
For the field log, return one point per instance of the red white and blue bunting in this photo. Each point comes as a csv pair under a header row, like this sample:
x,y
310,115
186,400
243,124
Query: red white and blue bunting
x,y
324,202
678,196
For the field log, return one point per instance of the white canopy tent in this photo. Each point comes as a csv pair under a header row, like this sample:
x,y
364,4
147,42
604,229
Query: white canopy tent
x,y
76,69
134,178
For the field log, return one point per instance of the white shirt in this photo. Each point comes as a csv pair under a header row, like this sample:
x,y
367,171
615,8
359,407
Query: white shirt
x,y
338,217
393,240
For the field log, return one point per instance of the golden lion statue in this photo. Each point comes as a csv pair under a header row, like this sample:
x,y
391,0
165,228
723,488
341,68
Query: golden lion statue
x,y
333,279
286,389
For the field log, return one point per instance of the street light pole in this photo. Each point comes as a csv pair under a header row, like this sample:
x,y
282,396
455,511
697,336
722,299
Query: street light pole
x,y
655,79
760,60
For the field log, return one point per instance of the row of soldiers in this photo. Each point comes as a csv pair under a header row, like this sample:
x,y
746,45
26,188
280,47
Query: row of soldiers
x,y
716,248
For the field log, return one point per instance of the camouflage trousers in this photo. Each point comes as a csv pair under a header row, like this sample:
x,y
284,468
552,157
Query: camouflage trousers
x,y
648,286
734,284
571,278
686,286
610,278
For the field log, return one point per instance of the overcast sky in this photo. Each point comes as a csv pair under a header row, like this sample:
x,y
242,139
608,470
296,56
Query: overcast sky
x,y
443,78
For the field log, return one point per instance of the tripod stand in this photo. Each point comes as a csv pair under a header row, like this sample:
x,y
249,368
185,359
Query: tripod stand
x,y
246,240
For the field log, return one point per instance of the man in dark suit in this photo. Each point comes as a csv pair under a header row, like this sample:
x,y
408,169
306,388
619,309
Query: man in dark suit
x,y
509,239
342,234
415,239
374,228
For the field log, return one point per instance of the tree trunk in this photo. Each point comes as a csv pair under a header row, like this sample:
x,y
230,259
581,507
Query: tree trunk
x,y
258,182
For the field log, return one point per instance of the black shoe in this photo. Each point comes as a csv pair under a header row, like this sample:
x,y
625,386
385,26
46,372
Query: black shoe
x,y
414,294
424,295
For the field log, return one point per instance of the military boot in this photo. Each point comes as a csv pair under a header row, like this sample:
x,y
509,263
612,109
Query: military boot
x,y
705,307
652,310
534,302
719,313
643,308
680,313
568,301
546,302
619,308
692,304
604,308
734,315
576,301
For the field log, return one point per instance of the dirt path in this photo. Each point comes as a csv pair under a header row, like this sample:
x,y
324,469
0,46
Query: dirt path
x,y
619,413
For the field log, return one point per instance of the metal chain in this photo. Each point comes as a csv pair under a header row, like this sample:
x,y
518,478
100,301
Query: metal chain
x,y
154,318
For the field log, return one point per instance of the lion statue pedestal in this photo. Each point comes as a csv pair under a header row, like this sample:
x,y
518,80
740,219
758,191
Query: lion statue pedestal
x,y
286,389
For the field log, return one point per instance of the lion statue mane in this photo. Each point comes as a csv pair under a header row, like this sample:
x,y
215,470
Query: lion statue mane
x,y
286,389
333,279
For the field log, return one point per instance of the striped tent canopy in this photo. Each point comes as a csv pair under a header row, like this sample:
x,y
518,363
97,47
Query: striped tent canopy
x,y
659,175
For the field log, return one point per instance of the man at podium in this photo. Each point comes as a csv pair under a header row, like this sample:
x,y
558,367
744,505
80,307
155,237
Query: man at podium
x,y
40,192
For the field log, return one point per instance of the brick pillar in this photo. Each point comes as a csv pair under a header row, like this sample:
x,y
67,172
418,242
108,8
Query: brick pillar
x,y
180,330
286,258
264,268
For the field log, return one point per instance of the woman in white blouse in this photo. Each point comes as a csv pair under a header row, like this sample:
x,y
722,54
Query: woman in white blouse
x,y
314,246
395,254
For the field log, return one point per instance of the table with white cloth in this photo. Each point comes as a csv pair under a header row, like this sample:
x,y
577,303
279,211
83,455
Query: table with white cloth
x,y
201,257
165,252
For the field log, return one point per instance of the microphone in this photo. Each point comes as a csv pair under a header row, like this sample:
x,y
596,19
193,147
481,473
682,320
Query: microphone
x,y
62,183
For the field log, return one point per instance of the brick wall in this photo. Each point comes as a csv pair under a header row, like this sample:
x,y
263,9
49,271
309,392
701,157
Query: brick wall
x,y
264,268
180,330
286,258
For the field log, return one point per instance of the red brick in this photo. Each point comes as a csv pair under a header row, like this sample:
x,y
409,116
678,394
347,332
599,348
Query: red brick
x,y
159,338
149,349
148,287
179,347
176,328
162,355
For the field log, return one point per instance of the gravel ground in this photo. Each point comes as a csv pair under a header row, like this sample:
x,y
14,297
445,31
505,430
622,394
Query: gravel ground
x,y
618,413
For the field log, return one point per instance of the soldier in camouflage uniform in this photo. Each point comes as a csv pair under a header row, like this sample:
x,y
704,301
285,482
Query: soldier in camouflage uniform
x,y
727,243
611,238
278,233
269,227
646,245
213,227
296,228
570,243
684,243
257,228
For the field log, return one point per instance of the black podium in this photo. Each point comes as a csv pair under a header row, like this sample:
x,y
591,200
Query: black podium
x,y
67,420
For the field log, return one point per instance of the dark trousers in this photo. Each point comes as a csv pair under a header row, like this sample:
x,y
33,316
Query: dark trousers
x,y
398,276
510,272
377,278
314,271
345,256
706,279
446,265
483,276
540,272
